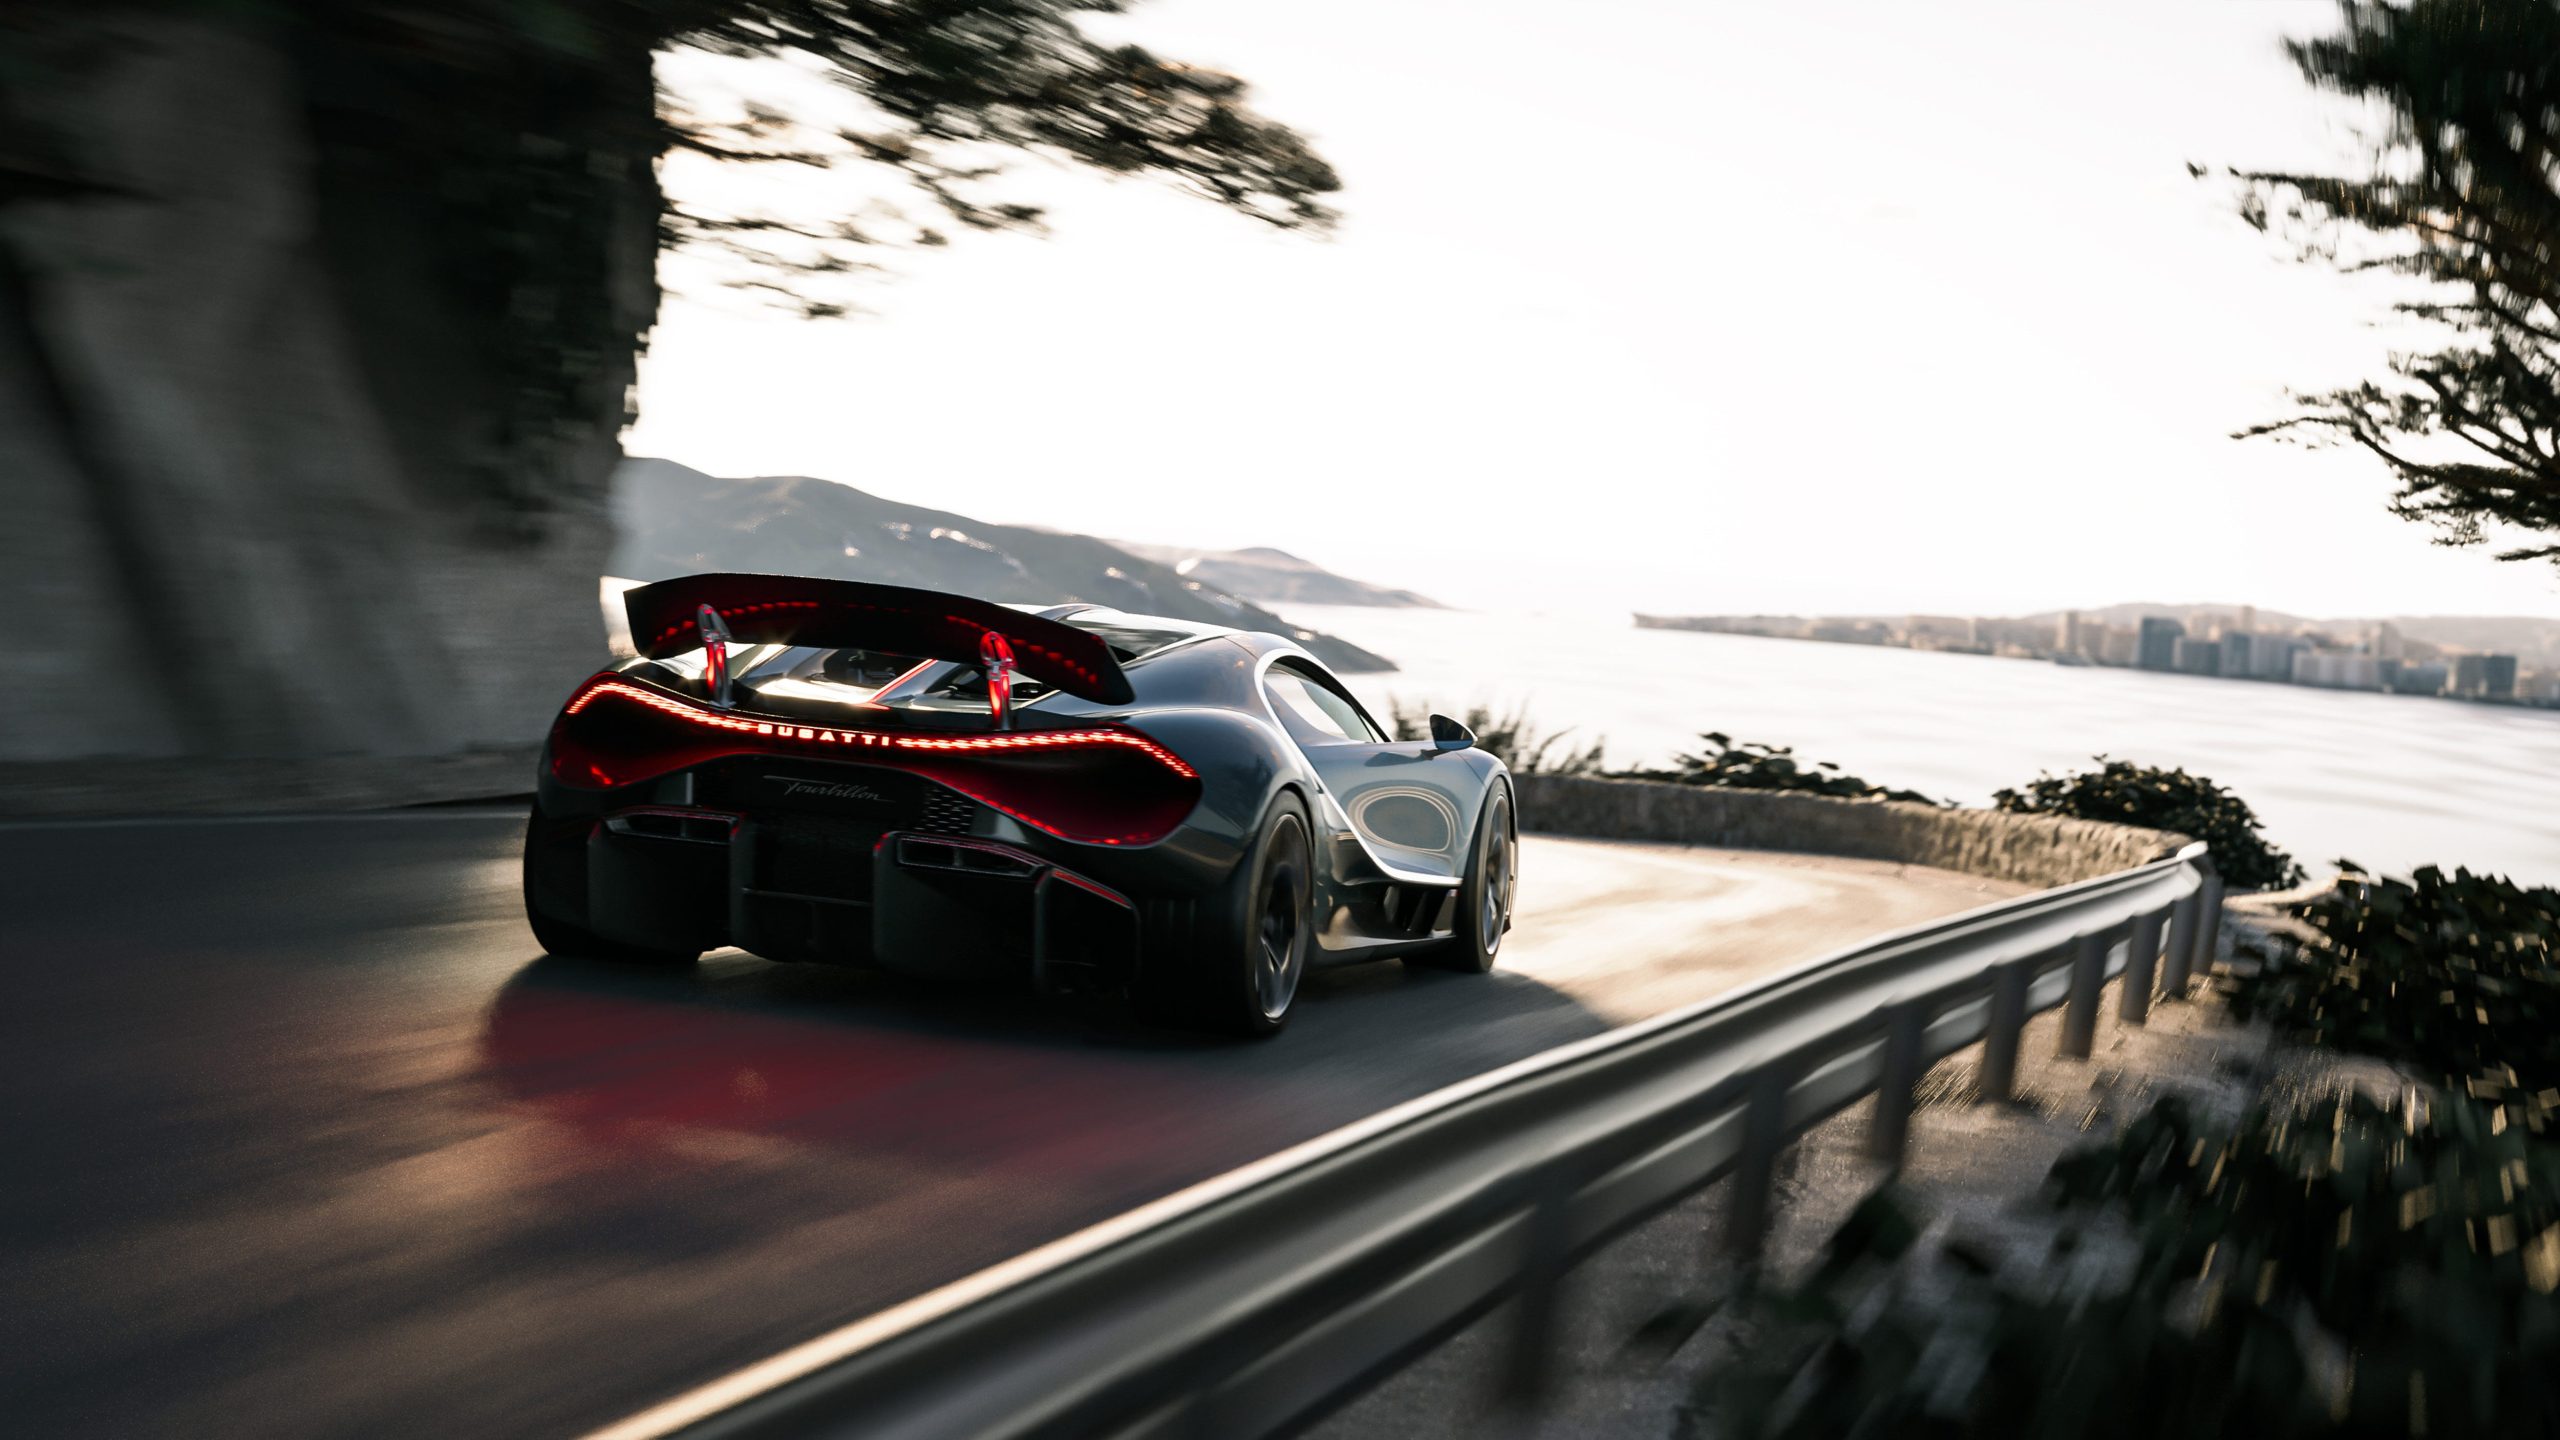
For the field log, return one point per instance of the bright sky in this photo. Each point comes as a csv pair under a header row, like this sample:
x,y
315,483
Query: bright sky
x,y
1676,306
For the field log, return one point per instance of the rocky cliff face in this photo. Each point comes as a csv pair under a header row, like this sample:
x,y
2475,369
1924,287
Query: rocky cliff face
x,y
672,521
247,417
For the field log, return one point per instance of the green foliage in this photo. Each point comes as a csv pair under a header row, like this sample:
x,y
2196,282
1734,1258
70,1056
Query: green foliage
x,y
2124,793
1521,745
2461,191
957,88
2346,1268
1750,765
2456,974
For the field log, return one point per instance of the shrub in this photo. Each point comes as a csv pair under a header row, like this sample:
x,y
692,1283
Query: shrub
x,y
2418,1244
2124,793
1750,765
2458,975
1521,745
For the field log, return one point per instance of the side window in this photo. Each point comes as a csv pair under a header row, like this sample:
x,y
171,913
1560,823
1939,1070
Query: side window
x,y
1312,707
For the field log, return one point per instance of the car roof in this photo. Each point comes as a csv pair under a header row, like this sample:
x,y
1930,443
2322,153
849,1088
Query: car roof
x,y
1106,615
1292,642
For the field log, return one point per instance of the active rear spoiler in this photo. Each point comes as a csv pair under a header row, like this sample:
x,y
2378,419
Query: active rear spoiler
x,y
666,619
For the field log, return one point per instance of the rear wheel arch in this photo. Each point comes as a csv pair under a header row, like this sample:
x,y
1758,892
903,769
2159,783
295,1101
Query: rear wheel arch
x,y
1199,955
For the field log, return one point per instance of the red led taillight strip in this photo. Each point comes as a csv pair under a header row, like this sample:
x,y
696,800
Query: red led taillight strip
x,y
882,740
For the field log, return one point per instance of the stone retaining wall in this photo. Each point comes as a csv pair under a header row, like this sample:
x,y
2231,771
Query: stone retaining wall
x,y
111,788
2039,850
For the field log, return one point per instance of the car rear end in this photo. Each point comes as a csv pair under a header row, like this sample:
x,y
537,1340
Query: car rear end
x,y
820,815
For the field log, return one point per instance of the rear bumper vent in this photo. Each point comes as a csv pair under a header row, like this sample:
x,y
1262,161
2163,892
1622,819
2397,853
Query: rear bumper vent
x,y
918,852
702,827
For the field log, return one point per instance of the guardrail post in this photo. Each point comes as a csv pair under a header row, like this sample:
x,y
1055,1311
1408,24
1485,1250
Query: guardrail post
x,y
2088,982
2208,928
1528,1378
2182,937
1764,1134
1894,1088
1998,1080
2141,958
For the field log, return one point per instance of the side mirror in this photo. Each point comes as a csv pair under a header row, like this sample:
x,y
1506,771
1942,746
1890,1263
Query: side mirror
x,y
1448,734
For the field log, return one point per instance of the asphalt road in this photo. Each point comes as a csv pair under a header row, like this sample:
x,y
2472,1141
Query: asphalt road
x,y
305,1137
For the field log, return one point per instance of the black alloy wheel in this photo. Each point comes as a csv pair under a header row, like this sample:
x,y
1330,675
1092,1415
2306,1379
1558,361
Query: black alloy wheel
x,y
1238,971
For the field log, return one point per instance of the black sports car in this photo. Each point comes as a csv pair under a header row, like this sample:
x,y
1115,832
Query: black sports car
x,y
867,774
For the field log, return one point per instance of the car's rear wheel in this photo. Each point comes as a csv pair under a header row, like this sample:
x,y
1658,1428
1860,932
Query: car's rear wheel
x,y
1485,895
561,937
1237,971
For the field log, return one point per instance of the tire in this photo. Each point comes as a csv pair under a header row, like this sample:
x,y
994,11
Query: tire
x,y
1485,896
559,937
1236,970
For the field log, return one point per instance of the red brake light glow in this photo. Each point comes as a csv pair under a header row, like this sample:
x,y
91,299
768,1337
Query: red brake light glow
x,y
1010,771
876,739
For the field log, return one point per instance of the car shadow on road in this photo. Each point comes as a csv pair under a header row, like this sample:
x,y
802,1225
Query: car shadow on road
x,y
952,1075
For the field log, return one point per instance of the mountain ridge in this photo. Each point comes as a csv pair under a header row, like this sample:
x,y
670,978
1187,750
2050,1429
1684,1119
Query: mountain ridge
x,y
670,520
1272,576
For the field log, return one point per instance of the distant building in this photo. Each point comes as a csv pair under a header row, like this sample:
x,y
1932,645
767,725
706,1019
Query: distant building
x,y
2337,670
2485,677
2115,645
2197,657
1850,632
2501,677
2271,656
2385,644
2541,687
2419,678
2248,618
2067,636
2159,645
2000,636
2238,659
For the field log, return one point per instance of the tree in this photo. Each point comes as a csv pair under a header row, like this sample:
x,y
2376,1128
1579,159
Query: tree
x,y
2461,192
319,318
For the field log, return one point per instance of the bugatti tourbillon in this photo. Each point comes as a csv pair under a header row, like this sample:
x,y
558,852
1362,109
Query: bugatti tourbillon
x,y
1084,799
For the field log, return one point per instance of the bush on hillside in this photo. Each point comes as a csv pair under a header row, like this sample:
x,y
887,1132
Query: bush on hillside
x,y
2124,793
2339,1268
1519,744
2457,975
1750,765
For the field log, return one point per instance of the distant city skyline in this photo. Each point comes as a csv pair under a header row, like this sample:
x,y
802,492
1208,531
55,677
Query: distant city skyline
x,y
1671,308
2503,660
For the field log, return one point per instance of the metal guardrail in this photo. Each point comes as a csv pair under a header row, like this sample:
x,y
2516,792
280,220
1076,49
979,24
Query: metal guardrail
x,y
1255,1302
